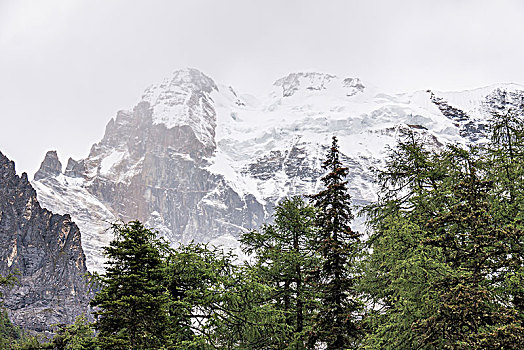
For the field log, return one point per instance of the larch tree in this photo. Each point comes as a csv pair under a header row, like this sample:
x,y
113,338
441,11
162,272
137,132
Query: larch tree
x,y
438,254
283,255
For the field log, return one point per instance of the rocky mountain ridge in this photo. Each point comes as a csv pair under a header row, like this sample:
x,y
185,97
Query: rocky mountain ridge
x,y
198,160
44,250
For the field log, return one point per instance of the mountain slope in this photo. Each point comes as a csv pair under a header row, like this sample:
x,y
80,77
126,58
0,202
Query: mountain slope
x,y
199,161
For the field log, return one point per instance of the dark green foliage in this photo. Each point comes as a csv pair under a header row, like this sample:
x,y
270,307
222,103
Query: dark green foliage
x,y
473,248
132,306
27,342
442,268
7,282
11,336
9,333
283,258
338,247
506,170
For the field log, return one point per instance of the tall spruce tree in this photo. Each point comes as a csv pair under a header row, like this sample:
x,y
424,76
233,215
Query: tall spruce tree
x,y
338,247
132,305
284,255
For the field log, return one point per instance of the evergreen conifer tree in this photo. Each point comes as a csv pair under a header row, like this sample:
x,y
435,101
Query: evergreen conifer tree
x,y
395,277
468,312
338,247
506,170
218,304
132,305
77,336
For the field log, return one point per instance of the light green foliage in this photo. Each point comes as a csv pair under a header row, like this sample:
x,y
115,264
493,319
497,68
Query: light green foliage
x,y
396,277
283,258
197,278
439,254
218,304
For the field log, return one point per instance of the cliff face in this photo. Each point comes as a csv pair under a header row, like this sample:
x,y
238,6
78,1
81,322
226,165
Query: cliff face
x,y
45,250
152,165
141,168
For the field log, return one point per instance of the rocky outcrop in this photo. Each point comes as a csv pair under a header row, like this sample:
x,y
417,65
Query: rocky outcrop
x,y
50,166
468,127
502,102
44,249
141,168
74,168
311,82
152,165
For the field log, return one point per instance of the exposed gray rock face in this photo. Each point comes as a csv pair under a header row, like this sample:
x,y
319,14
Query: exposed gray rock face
x,y
308,81
50,167
74,168
152,166
45,249
163,171
294,82
470,128
501,101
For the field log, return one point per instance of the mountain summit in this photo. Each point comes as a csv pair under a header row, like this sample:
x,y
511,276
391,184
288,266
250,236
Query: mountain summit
x,y
184,100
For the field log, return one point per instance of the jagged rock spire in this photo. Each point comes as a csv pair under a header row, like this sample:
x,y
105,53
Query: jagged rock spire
x,y
50,166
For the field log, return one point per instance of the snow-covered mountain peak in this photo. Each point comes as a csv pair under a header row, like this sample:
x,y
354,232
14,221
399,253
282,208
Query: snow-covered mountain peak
x,y
313,81
184,100
189,79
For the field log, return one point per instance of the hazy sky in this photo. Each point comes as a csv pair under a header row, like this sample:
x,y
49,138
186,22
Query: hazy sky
x,y
67,66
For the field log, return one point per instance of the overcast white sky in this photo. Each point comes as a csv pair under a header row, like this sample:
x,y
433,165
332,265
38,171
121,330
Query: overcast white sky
x,y
67,66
